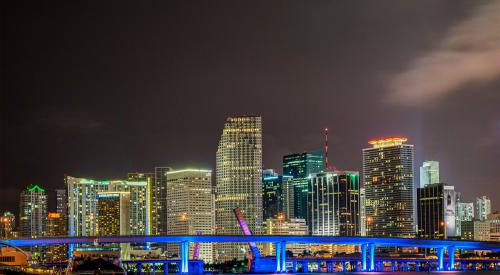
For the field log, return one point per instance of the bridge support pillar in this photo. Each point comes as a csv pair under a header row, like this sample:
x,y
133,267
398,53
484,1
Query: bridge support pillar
x,y
305,266
165,268
280,256
344,266
451,258
371,248
440,256
393,267
139,268
363,257
184,257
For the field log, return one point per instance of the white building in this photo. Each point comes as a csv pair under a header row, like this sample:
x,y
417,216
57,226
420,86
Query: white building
x,y
239,182
465,212
483,207
82,204
429,173
190,208
33,212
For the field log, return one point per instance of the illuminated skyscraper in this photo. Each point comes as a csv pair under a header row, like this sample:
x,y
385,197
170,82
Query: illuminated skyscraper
x,y
238,181
159,201
7,225
299,167
113,213
389,188
483,207
191,208
436,211
82,201
273,194
334,203
464,212
281,226
62,201
56,227
33,212
429,173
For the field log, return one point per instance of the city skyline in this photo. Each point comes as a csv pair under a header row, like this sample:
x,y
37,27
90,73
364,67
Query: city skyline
x,y
126,90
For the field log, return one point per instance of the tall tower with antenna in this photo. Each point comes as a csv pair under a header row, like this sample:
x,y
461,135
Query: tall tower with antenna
x,y
325,132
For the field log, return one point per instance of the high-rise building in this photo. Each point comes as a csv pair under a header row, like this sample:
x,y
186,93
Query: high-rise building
x,y
389,188
273,194
113,213
494,220
362,211
429,173
159,201
82,202
62,201
483,207
238,181
191,208
153,198
475,230
56,227
7,225
299,167
281,226
436,211
334,203
33,212
464,212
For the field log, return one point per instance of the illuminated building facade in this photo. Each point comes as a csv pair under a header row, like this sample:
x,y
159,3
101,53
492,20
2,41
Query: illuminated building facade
x,y
429,173
82,204
436,211
389,188
159,201
362,211
483,207
273,194
299,167
281,226
238,181
191,208
113,213
56,227
464,212
475,230
62,201
33,212
7,225
494,220
334,203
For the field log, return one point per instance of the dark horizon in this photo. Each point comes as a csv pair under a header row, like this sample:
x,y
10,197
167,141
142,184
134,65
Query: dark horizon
x,y
100,91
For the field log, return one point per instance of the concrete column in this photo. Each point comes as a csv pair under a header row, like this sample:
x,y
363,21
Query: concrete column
x,y
283,256
344,266
363,257
371,248
294,266
406,266
305,266
440,255
139,268
277,248
393,268
451,257
165,268
184,257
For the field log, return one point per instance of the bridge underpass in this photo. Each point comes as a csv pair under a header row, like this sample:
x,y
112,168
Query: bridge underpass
x,y
279,262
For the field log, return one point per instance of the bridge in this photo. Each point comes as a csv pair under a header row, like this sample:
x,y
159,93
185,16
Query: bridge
x,y
367,245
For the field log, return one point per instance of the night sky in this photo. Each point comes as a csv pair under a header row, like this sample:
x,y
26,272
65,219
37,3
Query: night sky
x,y
101,90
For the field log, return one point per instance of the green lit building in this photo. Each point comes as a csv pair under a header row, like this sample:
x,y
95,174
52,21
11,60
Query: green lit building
x,y
33,212
299,167
274,195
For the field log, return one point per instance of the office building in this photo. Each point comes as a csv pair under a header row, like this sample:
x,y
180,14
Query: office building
x,y
56,227
191,209
494,219
429,173
334,203
33,212
436,211
483,207
362,212
282,226
113,213
82,204
299,167
475,230
159,201
7,225
389,188
238,181
273,194
62,201
155,196
464,212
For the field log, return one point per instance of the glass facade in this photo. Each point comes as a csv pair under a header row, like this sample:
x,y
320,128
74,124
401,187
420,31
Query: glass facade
x,y
389,188
33,212
436,211
299,167
273,194
238,181
334,201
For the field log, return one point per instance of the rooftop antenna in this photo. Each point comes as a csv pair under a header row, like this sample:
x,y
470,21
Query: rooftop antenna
x,y
325,132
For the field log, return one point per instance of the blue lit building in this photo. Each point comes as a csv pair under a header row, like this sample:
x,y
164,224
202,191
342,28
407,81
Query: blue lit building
x,y
299,167
274,195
